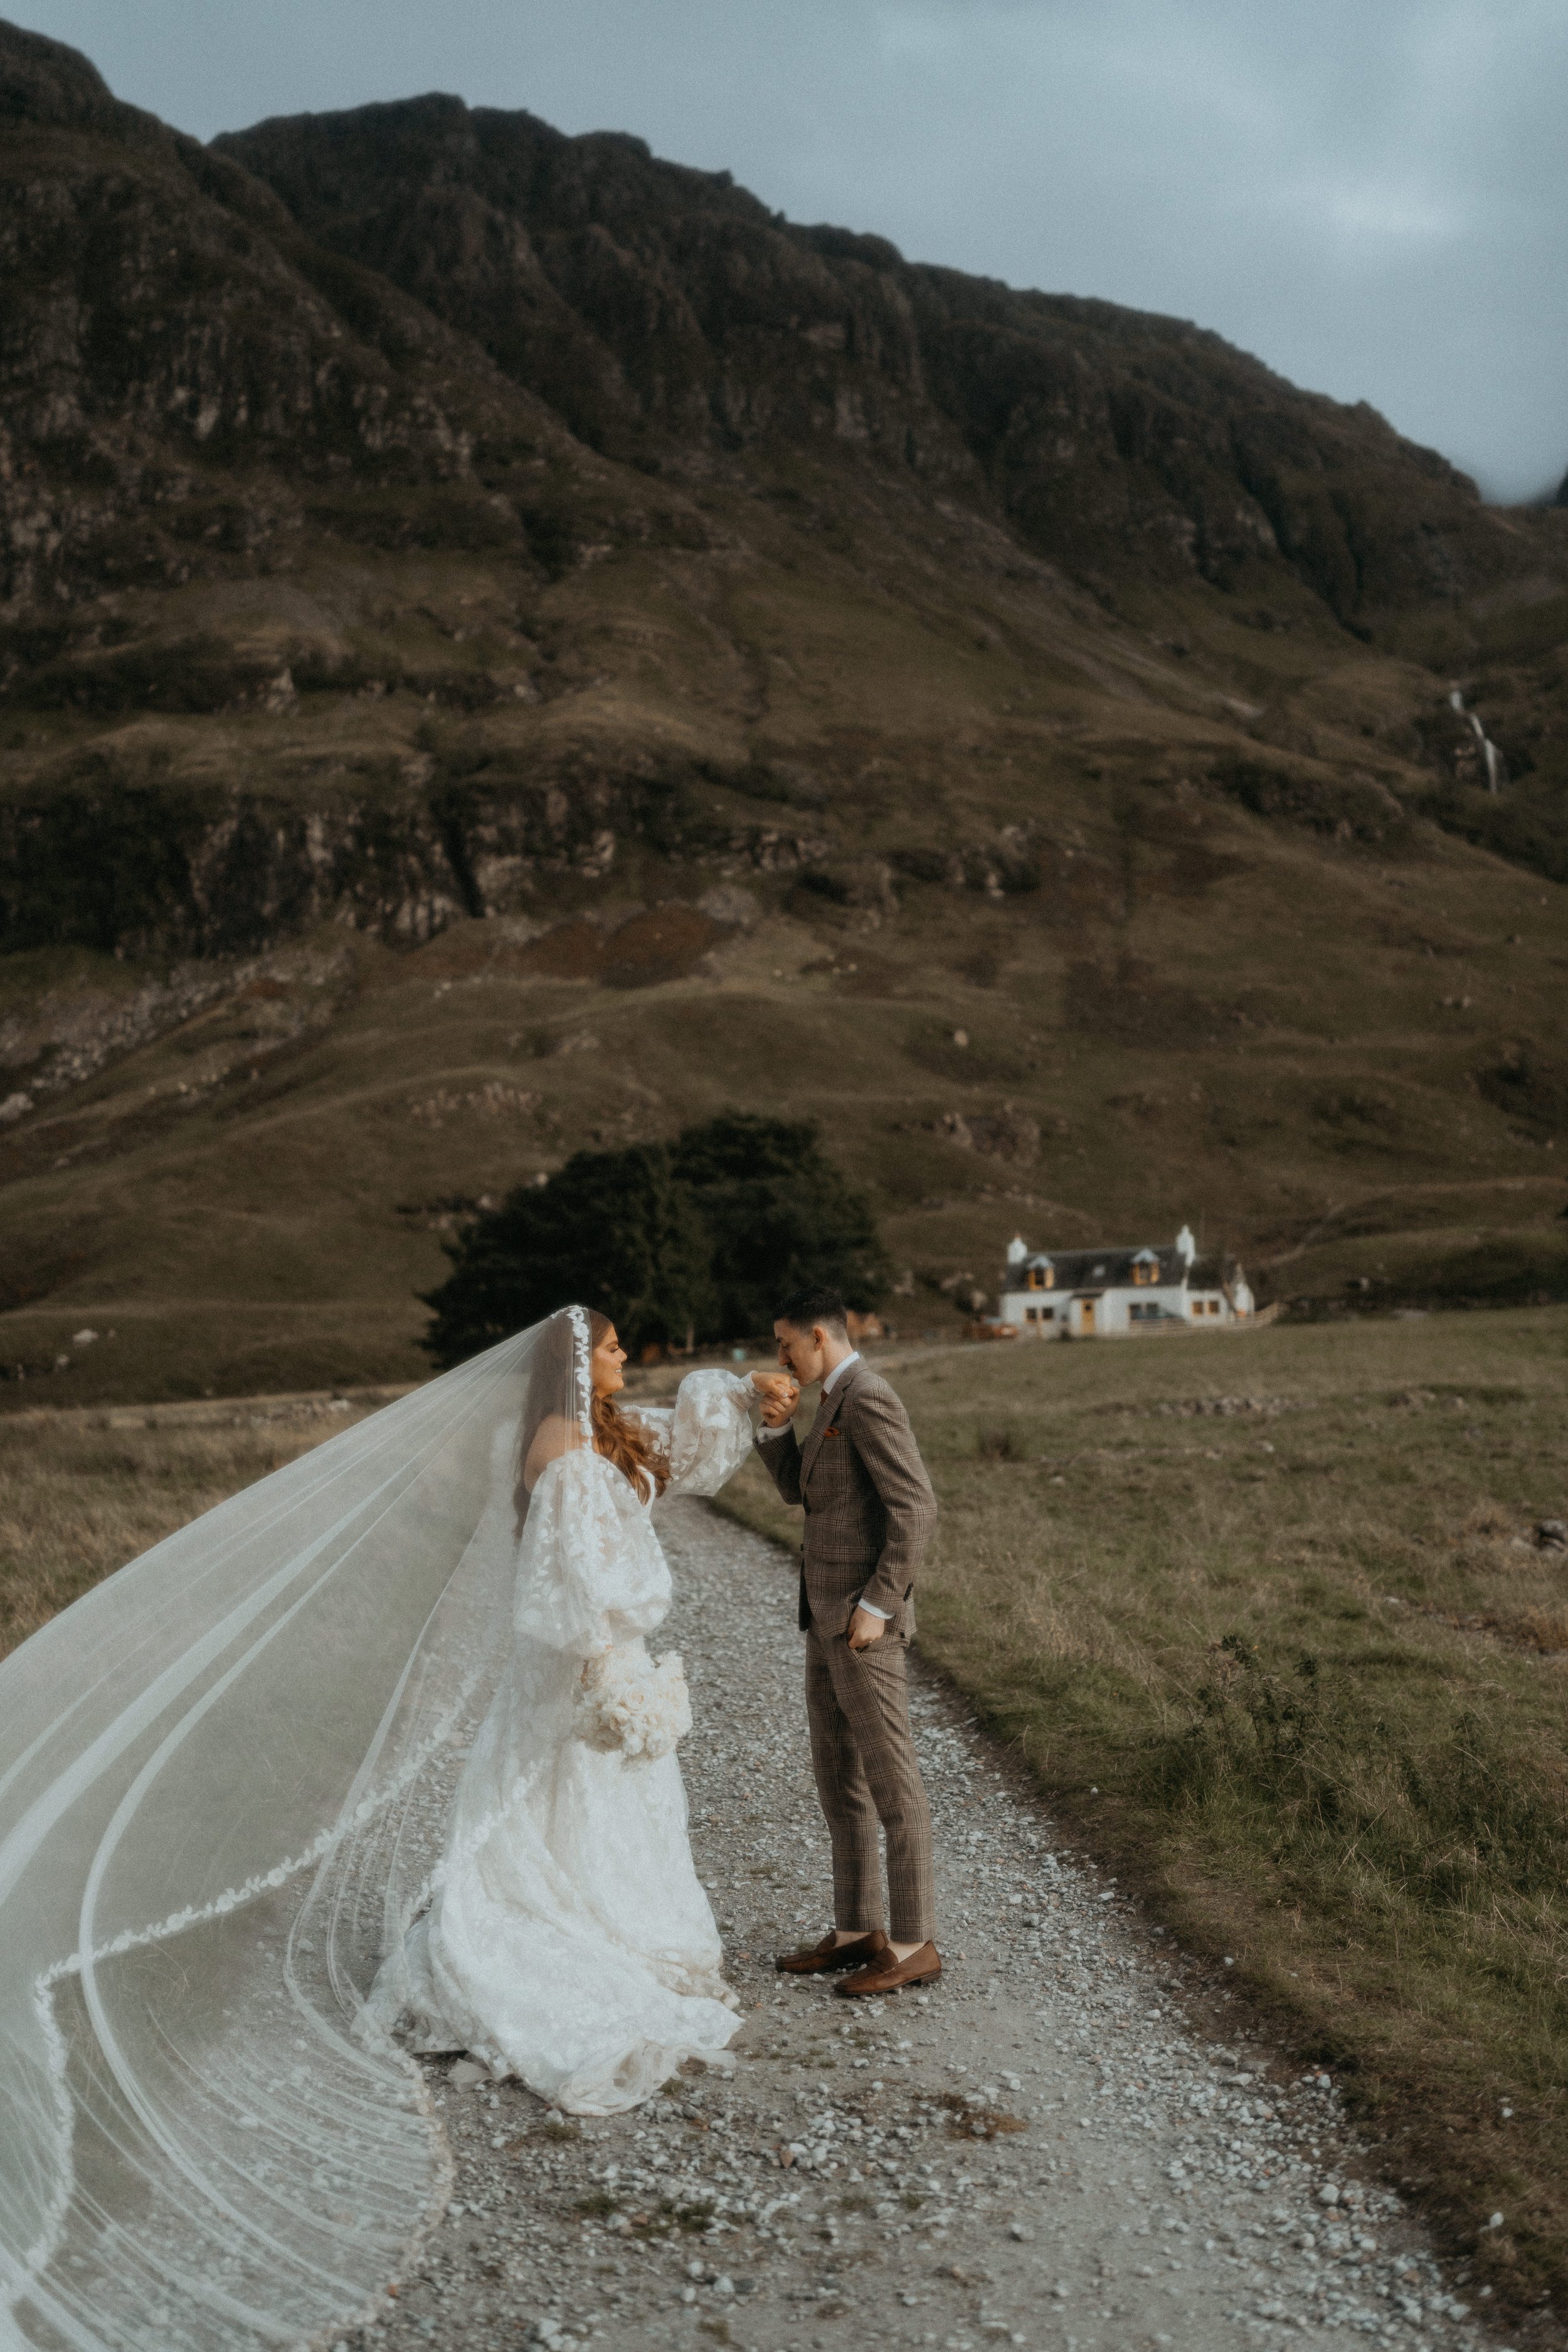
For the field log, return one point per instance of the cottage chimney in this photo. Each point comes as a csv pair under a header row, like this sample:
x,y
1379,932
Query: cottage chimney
x,y
1187,1247
1017,1250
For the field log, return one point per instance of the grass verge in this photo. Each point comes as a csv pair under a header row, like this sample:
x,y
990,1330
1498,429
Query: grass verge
x,y
1267,1617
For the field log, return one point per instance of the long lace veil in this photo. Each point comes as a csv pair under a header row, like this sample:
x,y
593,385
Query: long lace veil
x,y
224,1776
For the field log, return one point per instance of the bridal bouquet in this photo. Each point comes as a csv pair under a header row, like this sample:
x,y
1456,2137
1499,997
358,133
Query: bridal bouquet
x,y
639,1706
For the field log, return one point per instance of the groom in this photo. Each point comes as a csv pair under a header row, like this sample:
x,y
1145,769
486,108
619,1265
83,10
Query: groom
x,y
869,1512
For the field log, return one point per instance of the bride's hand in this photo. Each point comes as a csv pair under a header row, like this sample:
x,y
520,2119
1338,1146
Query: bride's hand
x,y
780,1395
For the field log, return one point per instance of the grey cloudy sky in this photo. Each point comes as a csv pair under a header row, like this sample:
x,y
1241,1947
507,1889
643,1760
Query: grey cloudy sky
x,y
1368,194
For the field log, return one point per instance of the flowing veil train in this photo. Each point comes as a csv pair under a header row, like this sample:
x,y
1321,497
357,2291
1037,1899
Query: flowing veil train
x,y
224,1775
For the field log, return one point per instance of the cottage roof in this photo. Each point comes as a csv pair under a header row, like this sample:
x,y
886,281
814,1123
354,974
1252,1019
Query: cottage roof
x,y
1101,1269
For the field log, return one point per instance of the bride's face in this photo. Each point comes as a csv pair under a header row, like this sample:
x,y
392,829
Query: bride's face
x,y
606,1360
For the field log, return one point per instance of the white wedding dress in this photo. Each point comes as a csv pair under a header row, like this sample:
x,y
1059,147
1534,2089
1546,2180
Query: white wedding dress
x,y
239,1841
568,1941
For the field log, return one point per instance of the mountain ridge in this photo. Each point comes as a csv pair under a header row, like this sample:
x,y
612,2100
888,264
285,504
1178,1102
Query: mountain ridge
x,y
651,295
404,778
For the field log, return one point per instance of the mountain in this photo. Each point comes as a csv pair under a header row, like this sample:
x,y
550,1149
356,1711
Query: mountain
x,y
666,313
505,642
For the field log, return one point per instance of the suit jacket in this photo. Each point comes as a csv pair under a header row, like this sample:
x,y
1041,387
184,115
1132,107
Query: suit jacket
x,y
869,1509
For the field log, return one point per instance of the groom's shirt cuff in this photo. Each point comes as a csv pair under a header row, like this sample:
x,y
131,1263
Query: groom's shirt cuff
x,y
872,1612
764,1433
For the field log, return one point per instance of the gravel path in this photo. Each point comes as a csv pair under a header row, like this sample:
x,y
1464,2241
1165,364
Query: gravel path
x,y
1050,2148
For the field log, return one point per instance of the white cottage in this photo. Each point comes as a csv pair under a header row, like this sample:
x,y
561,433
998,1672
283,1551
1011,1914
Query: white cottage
x,y
1106,1293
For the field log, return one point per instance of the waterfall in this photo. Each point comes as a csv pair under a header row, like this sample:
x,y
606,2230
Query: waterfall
x,y
1497,773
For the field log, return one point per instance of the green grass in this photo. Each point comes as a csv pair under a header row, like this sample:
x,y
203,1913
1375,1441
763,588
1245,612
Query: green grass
x,y
1301,1671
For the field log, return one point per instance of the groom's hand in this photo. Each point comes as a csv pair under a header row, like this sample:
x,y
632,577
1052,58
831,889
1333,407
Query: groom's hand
x,y
780,1396
865,1628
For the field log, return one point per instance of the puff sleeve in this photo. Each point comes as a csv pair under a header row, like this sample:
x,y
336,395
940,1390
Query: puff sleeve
x,y
706,1435
585,1582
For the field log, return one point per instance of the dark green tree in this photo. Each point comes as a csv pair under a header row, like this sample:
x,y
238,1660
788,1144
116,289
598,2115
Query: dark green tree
x,y
699,1236
614,1230
778,1214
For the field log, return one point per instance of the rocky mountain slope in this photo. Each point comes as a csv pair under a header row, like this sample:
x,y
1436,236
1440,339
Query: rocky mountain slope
x,y
666,313
494,626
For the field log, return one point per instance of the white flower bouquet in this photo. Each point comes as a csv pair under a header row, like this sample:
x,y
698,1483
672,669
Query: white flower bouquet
x,y
637,1706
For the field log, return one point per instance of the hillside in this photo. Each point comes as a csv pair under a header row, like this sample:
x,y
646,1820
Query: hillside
x,y
506,642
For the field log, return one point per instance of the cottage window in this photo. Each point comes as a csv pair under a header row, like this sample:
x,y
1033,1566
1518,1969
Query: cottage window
x,y
1040,1277
1144,1270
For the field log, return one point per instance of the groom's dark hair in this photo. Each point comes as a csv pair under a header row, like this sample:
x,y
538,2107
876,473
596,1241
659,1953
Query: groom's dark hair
x,y
815,1303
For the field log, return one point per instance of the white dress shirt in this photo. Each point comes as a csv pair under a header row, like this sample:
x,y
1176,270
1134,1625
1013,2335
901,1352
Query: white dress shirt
x,y
841,1367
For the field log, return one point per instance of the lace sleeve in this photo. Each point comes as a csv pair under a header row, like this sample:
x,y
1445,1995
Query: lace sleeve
x,y
584,1582
707,1434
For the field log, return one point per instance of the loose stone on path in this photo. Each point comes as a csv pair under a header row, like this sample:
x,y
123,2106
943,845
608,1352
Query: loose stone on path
x,y
1050,2148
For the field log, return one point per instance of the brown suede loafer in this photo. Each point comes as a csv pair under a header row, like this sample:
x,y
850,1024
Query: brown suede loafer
x,y
828,1955
883,1973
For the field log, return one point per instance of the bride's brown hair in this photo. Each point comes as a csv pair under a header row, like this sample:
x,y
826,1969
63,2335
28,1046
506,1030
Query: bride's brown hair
x,y
615,1435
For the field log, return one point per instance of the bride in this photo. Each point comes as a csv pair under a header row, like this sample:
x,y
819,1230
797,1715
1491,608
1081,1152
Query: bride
x,y
232,1865
568,1941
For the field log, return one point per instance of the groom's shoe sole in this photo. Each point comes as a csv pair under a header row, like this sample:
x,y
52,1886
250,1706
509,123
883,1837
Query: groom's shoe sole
x,y
885,1974
821,1958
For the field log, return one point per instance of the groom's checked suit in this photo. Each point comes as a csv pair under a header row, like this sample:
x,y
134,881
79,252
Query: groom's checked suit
x,y
869,1512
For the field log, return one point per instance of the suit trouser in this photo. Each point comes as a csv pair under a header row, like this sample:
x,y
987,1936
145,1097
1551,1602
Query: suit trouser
x,y
863,1755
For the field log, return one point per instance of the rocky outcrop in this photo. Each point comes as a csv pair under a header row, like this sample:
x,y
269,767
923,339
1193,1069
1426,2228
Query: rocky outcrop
x,y
178,364
651,305
1005,1134
109,850
426,292
46,86
661,309
69,1034
352,357
129,864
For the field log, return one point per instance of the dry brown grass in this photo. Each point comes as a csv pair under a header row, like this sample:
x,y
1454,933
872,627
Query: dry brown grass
x,y
1546,1628
1300,1669
80,1496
